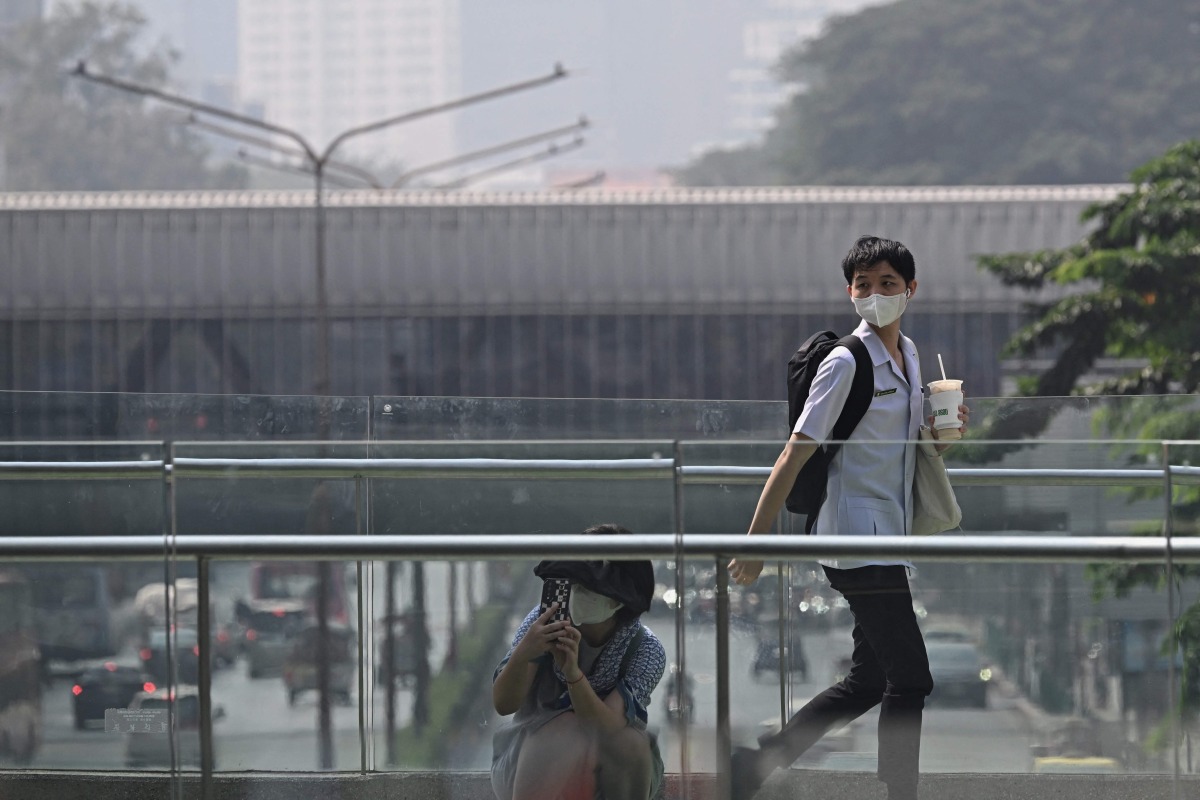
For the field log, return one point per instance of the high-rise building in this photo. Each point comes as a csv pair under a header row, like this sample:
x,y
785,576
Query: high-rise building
x,y
772,27
204,35
12,14
15,12
321,67
651,75
663,81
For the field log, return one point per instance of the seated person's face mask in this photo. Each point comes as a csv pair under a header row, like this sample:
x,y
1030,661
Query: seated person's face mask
x,y
587,607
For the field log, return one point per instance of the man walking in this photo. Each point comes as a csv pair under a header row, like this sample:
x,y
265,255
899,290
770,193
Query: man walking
x,y
869,492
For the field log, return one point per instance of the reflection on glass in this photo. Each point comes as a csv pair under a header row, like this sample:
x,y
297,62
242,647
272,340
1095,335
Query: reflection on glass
x,y
264,616
1039,667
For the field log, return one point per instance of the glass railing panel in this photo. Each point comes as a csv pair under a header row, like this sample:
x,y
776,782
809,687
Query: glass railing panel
x,y
267,657
548,487
1181,649
1061,667
511,418
72,631
1078,678
268,642
451,624
579,484
685,712
112,416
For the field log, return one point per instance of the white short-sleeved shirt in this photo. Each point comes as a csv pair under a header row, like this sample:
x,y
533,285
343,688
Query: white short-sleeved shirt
x,y
871,477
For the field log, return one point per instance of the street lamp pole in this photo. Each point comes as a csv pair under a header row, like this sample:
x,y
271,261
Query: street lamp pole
x,y
320,505
318,161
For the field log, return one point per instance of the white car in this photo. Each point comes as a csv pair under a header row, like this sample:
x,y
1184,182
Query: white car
x,y
150,745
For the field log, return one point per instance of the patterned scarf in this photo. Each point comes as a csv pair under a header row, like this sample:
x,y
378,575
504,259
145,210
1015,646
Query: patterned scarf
x,y
604,672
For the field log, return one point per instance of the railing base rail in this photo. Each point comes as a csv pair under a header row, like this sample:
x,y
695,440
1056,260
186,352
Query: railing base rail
x,y
827,784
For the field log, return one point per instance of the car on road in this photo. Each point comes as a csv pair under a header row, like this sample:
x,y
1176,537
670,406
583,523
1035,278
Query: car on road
x,y
945,632
405,654
108,685
300,665
1076,765
269,626
179,651
960,674
767,655
152,744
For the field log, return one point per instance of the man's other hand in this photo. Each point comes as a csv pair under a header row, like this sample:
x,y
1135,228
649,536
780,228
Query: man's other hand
x,y
744,572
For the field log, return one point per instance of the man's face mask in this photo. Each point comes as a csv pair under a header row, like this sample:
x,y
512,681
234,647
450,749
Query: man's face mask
x,y
881,310
588,607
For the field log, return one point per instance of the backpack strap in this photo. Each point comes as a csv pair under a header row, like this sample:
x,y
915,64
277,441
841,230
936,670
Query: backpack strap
x,y
861,390
857,403
631,650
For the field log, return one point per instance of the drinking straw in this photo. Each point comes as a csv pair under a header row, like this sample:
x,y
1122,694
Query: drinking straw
x,y
943,366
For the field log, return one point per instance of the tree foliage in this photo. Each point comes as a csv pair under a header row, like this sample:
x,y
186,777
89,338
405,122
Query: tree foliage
x,y
60,133
1140,273
1140,269
986,92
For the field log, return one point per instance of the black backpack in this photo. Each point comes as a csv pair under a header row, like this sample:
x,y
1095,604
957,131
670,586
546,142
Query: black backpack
x,y
808,492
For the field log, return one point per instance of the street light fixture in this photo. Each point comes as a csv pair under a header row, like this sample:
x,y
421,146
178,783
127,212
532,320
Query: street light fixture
x,y
270,144
475,155
318,161
256,160
552,151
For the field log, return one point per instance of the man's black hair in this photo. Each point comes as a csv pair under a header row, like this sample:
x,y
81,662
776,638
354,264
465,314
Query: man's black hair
x,y
870,250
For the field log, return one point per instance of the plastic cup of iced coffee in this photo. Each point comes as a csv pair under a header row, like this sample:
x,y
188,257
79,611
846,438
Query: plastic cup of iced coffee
x,y
945,396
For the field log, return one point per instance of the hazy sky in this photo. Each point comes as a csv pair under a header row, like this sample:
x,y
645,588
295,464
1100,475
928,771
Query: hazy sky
x,y
661,79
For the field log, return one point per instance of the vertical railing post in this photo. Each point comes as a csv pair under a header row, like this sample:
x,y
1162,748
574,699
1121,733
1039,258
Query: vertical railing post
x,y
365,591
783,602
204,641
1175,701
724,734
170,530
681,688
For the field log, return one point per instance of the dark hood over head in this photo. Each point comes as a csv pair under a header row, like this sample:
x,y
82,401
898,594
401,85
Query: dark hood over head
x,y
628,582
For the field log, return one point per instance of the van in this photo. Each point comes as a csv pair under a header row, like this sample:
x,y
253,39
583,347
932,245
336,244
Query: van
x,y
300,664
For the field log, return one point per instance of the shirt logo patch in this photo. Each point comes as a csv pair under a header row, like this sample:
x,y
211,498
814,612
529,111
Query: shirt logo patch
x,y
885,392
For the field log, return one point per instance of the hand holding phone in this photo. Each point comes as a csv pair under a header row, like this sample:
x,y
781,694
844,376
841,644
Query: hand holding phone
x,y
556,590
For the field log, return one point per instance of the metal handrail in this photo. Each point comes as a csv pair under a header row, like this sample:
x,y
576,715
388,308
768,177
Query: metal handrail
x,y
150,469
543,469
449,547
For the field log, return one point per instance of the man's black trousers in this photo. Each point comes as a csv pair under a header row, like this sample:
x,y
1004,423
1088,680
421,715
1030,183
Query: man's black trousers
x,y
889,666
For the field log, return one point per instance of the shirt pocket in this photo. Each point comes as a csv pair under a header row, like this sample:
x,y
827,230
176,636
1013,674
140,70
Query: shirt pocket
x,y
871,516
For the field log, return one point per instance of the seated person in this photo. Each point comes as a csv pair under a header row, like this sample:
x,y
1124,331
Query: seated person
x,y
578,689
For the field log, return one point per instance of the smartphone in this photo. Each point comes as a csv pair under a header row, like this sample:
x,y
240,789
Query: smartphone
x,y
556,590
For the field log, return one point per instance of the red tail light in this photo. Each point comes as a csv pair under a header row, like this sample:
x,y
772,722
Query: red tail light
x,y
148,687
195,649
77,690
223,636
145,653
251,635
279,612
111,666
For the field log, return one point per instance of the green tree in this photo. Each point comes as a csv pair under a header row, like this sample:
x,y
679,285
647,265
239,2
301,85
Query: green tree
x,y
1139,275
59,133
985,92
1139,270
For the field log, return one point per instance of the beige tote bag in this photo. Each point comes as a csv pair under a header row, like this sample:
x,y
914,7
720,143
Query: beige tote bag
x,y
935,509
